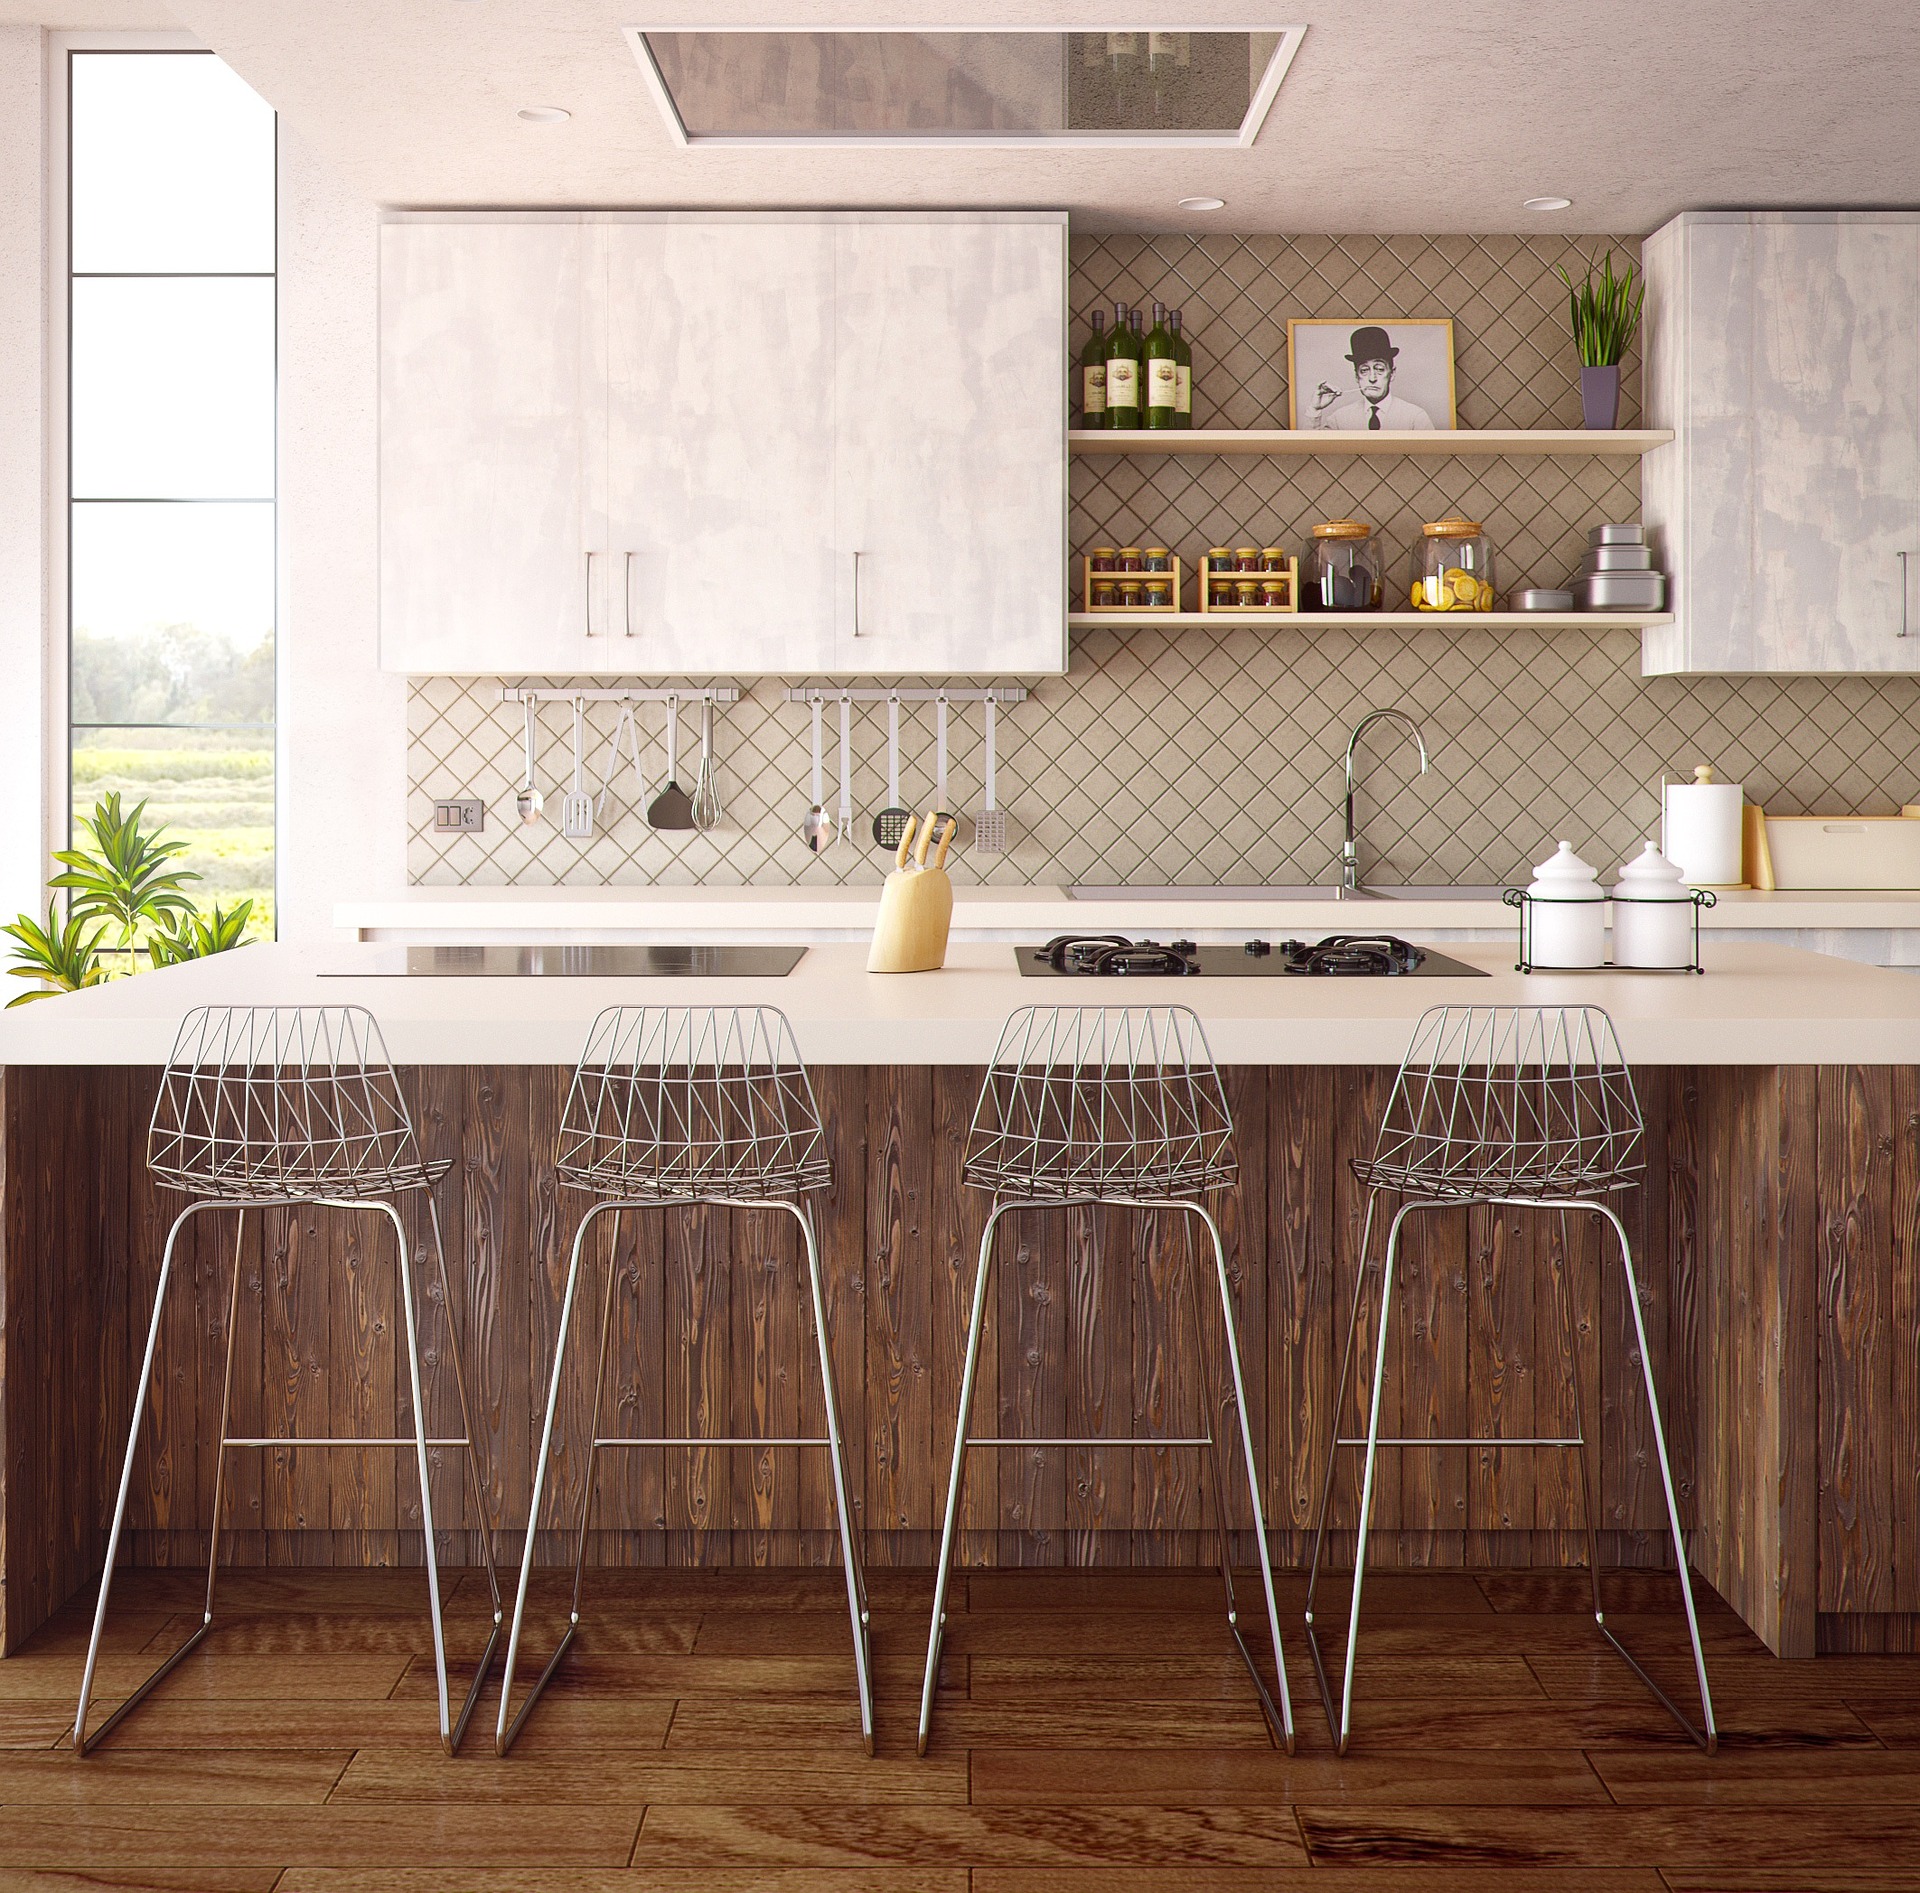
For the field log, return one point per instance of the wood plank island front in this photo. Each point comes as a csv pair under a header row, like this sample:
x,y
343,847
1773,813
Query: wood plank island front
x,y
1774,1231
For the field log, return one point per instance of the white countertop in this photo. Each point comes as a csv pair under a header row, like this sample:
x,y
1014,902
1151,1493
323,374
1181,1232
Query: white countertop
x,y
718,914
1756,1004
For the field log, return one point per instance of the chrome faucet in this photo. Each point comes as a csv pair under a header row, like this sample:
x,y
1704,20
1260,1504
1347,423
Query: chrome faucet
x,y
1350,888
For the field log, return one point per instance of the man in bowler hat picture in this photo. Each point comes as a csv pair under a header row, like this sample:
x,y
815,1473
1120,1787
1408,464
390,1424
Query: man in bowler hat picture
x,y
1370,403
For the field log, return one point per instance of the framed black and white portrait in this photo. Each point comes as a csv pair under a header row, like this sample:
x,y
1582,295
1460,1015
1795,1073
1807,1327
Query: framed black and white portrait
x,y
1370,376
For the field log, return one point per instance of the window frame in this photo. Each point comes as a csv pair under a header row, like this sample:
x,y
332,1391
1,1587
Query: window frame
x,y
58,726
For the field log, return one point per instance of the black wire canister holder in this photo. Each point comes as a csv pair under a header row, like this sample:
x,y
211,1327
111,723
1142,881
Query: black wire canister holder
x,y
1518,898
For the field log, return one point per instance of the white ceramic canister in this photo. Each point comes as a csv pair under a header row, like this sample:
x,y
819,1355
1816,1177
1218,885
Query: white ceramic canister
x,y
1700,829
1652,913
1566,913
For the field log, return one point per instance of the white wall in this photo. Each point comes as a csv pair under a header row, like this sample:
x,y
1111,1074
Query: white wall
x,y
343,763
23,461
342,786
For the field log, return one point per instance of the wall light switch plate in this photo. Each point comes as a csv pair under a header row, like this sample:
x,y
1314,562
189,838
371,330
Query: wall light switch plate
x,y
464,816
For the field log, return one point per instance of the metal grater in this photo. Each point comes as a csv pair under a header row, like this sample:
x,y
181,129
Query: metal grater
x,y
990,825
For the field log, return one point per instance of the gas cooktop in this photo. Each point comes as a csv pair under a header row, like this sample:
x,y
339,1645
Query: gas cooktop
x,y
1339,956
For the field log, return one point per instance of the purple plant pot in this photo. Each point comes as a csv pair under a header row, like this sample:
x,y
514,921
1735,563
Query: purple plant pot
x,y
1600,397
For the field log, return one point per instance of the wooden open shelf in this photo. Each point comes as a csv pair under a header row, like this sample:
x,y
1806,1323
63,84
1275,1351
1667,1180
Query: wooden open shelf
x,y
1620,442
1395,620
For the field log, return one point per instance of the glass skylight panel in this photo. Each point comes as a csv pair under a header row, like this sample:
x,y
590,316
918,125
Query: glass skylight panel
x,y
717,86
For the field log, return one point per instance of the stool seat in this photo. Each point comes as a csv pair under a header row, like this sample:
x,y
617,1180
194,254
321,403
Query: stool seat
x,y
1471,1182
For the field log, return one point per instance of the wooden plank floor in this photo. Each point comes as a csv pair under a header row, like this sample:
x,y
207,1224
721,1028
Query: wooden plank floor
x,y
1094,1734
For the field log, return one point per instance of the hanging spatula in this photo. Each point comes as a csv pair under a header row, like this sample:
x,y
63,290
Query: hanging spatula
x,y
672,808
576,806
990,825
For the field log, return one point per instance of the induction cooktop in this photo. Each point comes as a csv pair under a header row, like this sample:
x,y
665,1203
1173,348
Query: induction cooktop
x,y
1339,956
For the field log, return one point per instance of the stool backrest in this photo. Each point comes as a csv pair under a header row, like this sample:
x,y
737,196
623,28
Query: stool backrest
x,y
1092,1100
691,1101
275,1100
1533,1098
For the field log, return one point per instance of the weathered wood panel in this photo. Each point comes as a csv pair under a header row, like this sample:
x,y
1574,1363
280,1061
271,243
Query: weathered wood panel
x,y
1780,1212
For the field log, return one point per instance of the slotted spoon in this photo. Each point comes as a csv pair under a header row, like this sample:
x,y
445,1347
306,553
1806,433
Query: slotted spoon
x,y
990,825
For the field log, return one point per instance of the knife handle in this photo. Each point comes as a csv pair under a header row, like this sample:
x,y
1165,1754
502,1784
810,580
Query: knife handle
x,y
906,842
946,835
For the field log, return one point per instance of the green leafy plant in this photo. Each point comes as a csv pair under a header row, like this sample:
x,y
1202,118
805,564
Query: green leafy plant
x,y
1604,311
194,936
63,958
125,878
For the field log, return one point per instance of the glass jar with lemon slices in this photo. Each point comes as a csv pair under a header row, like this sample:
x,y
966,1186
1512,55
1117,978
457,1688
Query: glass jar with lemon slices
x,y
1452,567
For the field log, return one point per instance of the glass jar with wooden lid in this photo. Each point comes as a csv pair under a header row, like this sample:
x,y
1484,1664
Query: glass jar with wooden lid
x,y
1343,568
1452,567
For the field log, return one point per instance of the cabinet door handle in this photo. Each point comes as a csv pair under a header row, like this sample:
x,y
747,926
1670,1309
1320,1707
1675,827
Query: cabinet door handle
x,y
1904,591
856,595
626,593
591,632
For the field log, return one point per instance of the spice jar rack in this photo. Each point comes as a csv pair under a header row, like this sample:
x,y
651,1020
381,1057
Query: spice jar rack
x,y
1134,592
1270,590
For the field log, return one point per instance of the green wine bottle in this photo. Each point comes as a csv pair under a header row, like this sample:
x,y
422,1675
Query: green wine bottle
x,y
1163,372
1093,374
1183,370
1123,372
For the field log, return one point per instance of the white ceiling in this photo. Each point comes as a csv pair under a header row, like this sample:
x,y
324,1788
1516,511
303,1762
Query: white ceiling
x,y
1398,115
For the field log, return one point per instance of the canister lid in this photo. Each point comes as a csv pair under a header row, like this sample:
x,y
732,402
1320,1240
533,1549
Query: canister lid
x,y
1564,877
1452,529
1343,529
1650,876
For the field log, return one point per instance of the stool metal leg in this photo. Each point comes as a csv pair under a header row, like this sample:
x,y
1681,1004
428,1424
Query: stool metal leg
x,y
1340,1394
1280,1719
83,1743
1708,1735
957,1477
1340,1722
505,1731
842,1503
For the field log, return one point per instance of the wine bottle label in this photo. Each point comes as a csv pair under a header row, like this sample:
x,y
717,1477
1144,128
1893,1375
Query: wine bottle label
x,y
1093,384
1123,382
1183,395
1163,382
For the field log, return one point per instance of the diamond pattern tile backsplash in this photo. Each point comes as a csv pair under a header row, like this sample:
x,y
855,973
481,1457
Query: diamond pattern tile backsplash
x,y
1204,756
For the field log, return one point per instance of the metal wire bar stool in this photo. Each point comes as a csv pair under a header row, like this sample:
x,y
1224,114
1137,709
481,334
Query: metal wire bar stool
x,y
674,1105
1117,1106
274,1106
1506,1106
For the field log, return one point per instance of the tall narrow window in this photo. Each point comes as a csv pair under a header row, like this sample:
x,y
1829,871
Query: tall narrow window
x,y
170,593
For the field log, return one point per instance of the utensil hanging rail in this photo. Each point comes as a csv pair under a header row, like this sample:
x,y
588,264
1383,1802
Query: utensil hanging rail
x,y
692,693
993,693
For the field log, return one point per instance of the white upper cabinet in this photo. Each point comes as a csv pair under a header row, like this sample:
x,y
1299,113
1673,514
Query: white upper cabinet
x,y
1784,350
483,446
719,444
950,489
746,444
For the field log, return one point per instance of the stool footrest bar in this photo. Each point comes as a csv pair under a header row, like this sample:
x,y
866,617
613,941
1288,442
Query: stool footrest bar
x,y
1203,1440
336,1440
1474,1440
751,1440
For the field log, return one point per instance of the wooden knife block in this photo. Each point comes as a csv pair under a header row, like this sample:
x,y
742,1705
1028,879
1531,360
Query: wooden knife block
x,y
916,909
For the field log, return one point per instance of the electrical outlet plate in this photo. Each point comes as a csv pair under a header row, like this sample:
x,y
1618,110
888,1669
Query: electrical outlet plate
x,y
463,815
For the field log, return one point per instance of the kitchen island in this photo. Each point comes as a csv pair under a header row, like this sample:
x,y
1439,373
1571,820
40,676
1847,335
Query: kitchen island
x,y
1782,1097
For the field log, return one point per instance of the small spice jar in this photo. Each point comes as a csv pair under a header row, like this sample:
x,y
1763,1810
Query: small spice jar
x,y
1100,559
1105,595
1452,567
1246,559
1157,559
1132,594
1273,594
1219,580
1343,568
1273,558
1246,594
1159,594
1127,559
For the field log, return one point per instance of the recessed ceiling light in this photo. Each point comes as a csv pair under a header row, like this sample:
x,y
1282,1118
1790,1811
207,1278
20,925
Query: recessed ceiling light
x,y
544,114
1548,203
1203,203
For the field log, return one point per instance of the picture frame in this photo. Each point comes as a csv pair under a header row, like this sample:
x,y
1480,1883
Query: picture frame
x,y
1328,390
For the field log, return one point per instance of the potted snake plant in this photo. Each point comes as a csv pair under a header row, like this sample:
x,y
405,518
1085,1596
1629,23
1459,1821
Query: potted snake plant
x,y
1605,313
